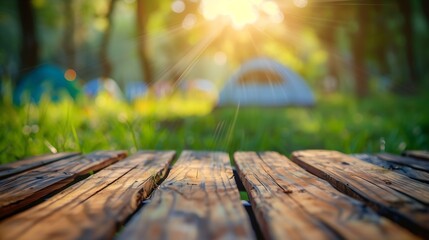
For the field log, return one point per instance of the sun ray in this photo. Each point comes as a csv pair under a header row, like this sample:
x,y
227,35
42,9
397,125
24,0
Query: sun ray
x,y
190,57
272,86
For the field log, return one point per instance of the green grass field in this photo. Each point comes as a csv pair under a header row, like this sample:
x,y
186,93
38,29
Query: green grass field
x,y
382,123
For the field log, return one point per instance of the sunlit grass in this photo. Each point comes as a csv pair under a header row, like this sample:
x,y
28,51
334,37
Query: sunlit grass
x,y
182,122
178,105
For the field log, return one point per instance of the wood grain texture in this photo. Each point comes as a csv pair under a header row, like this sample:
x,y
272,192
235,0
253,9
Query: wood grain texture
x,y
198,200
23,189
421,154
7,170
290,203
95,207
420,175
396,196
407,161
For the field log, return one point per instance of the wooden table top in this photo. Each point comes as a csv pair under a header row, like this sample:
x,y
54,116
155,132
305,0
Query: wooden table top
x,y
316,194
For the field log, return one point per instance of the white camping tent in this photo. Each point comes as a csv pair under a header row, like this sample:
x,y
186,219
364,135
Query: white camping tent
x,y
265,82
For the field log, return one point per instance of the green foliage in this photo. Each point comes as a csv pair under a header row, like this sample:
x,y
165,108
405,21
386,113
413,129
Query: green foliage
x,y
244,196
382,123
312,42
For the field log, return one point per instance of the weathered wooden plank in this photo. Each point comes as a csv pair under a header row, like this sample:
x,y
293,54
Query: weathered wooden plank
x,y
95,207
396,196
23,189
416,174
407,161
198,200
421,154
7,170
290,203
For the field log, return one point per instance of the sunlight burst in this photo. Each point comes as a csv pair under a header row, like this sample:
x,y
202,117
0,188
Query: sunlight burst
x,y
240,12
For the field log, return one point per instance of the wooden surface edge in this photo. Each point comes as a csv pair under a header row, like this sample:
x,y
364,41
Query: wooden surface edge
x,y
122,195
23,203
10,169
404,220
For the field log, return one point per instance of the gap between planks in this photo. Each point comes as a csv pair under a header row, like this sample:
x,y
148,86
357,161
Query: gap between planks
x,y
198,200
290,203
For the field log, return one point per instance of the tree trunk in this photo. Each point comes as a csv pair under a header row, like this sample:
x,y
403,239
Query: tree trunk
x,y
29,42
330,45
142,18
327,32
359,40
69,31
425,9
380,28
106,65
406,9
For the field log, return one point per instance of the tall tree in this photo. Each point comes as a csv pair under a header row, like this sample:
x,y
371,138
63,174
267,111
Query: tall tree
x,y
358,48
69,34
106,65
142,19
405,7
381,44
425,8
29,42
327,33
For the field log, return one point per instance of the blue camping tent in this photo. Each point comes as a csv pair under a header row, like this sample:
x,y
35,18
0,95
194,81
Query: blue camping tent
x,y
135,90
99,85
265,82
46,80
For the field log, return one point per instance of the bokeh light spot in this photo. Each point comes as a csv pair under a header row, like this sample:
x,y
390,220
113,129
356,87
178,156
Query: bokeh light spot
x,y
178,6
189,21
300,3
272,10
70,75
220,58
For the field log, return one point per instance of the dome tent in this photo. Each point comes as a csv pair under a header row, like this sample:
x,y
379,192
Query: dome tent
x,y
45,79
134,90
265,82
96,86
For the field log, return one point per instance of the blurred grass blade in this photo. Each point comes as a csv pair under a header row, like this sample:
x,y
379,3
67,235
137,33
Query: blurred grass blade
x,y
232,128
50,146
76,139
133,135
